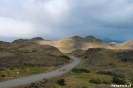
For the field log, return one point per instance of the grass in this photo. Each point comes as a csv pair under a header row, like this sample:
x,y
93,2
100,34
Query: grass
x,y
103,60
8,74
28,59
75,80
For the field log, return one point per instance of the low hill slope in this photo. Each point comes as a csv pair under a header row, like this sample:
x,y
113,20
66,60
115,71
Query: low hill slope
x,y
115,60
78,52
20,55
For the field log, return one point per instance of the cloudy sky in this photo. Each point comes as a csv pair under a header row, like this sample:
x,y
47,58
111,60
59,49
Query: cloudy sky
x,y
56,19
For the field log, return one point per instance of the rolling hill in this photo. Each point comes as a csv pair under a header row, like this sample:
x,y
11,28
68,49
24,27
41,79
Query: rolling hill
x,y
21,55
115,60
67,45
70,44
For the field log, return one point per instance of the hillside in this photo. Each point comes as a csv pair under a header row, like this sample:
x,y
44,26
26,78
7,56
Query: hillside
x,y
115,60
78,52
70,44
21,55
67,45
28,59
100,68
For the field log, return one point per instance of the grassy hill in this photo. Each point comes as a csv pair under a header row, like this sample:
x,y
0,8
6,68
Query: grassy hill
x,y
99,69
28,59
67,45
116,60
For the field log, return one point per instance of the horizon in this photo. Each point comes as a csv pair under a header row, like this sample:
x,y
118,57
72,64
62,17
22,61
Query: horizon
x,y
65,37
57,19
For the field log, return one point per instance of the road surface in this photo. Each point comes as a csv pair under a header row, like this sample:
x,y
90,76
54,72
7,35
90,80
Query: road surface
x,y
37,77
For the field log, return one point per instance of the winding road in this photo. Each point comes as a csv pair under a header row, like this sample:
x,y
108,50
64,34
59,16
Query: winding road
x,y
37,77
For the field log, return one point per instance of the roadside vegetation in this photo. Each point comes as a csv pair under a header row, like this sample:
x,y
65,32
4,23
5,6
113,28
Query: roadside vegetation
x,y
66,58
73,79
10,73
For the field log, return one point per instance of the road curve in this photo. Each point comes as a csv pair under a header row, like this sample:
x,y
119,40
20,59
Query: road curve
x,y
37,77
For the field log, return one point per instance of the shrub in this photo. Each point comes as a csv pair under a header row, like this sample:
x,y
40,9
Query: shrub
x,y
11,68
3,75
65,57
85,57
76,70
106,82
106,73
124,60
131,79
61,82
119,79
119,75
95,81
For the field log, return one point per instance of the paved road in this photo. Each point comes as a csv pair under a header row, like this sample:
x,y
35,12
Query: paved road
x,y
34,78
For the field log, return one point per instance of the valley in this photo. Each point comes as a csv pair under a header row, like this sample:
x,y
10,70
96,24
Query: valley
x,y
101,64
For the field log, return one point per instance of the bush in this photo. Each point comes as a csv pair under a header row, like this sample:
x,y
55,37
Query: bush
x,y
11,68
131,80
3,75
119,75
76,70
61,82
65,57
95,81
106,82
85,57
106,73
119,79
124,60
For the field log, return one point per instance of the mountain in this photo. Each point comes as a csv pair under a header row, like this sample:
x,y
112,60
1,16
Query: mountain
x,y
70,44
3,42
125,45
28,41
108,40
67,45
128,43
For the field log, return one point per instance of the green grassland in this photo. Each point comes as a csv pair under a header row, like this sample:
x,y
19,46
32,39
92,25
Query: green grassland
x,y
10,73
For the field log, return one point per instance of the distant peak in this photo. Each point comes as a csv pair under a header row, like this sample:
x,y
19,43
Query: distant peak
x,y
90,36
37,38
1,42
76,37
20,40
107,38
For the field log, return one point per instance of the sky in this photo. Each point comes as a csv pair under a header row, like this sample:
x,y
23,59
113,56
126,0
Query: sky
x,y
57,19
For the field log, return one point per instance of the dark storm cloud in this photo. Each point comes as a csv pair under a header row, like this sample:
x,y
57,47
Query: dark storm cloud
x,y
55,19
